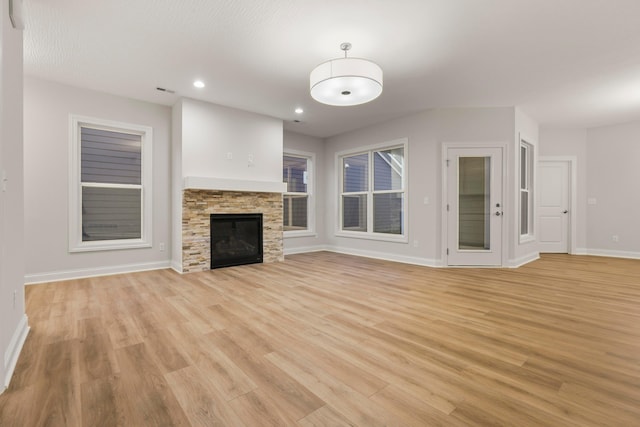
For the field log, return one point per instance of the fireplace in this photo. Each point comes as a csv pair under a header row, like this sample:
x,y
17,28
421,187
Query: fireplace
x,y
236,239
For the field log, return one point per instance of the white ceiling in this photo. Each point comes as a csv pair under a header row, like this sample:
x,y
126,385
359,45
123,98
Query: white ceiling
x,y
564,62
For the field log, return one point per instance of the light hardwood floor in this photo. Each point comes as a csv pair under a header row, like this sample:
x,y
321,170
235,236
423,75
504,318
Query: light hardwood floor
x,y
332,340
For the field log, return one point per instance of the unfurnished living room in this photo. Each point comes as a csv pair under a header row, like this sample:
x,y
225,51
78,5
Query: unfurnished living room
x,y
319,213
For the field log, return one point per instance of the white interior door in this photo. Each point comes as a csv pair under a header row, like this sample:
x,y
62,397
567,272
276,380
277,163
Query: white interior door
x,y
474,206
553,206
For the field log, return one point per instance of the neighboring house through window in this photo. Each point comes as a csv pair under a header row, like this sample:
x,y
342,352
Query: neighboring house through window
x,y
110,185
297,172
373,192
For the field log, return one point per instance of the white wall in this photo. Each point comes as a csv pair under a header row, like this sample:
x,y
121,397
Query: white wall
x,y
315,146
13,321
423,163
210,133
426,132
613,174
571,143
47,107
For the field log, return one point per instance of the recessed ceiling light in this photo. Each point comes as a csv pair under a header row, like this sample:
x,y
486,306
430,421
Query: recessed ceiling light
x,y
299,110
199,84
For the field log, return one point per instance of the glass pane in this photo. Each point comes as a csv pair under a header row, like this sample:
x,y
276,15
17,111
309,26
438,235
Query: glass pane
x,y
111,213
110,157
473,203
295,212
354,212
294,173
387,169
524,212
356,173
387,213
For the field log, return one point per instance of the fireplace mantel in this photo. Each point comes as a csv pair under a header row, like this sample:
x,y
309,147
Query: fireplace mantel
x,y
224,184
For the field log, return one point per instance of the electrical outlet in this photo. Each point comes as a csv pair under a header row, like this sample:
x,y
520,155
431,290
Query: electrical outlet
x,y
161,246
229,155
415,243
615,238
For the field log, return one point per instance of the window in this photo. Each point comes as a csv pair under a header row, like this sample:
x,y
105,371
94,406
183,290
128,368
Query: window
x,y
373,193
526,190
297,201
110,185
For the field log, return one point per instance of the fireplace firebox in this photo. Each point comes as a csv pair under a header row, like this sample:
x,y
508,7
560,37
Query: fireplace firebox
x,y
236,239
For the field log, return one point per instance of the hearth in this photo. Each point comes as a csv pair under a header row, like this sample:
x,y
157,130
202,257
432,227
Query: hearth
x,y
236,239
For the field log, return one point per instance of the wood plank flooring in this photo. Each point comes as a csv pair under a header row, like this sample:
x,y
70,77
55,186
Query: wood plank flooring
x,y
325,339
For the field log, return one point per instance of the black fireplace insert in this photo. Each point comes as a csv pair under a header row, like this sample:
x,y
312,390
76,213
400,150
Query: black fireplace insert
x,y
236,239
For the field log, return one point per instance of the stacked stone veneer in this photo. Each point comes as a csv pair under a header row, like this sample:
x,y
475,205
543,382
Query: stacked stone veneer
x,y
197,205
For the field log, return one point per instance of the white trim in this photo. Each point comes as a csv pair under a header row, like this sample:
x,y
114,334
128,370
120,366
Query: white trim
x,y
75,243
531,188
310,231
613,254
177,267
54,276
425,262
370,235
572,162
292,234
519,262
224,184
444,196
13,351
306,249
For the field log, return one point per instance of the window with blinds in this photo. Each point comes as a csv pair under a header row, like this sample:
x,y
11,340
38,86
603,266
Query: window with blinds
x,y
111,180
297,200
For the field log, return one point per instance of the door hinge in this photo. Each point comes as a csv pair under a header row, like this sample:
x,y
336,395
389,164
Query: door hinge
x,y
447,207
447,251
447,162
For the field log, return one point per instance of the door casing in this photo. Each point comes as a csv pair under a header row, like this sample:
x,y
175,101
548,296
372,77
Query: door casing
x,y
504,199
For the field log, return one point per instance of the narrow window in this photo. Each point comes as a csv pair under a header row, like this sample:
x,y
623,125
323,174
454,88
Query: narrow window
x,y
297,201
526,189
110,188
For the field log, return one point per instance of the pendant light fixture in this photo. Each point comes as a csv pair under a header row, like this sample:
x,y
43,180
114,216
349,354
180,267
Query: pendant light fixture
x,y
346,81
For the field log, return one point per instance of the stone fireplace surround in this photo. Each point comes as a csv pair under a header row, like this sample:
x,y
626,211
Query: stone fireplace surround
x,y
198,204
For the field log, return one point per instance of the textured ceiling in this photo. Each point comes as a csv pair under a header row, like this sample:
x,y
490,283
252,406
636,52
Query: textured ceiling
x,y
565,62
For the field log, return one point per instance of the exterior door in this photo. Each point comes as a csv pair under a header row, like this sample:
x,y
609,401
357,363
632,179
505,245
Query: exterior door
x,y
553,206
474,206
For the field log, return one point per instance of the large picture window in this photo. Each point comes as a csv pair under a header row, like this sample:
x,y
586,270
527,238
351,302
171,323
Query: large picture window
x,y
297,172
526,190
110,185
373,193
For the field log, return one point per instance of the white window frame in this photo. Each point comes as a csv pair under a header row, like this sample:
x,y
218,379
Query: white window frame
x,y
369,234
529,189
311,204
76,122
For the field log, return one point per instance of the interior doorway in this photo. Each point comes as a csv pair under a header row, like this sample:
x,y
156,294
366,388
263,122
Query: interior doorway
x,y
556,206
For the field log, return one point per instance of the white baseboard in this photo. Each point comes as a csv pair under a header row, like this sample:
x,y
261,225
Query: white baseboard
x,y
13,351
306,249
613,254
31,279
176,266
581,251
426,262
519,262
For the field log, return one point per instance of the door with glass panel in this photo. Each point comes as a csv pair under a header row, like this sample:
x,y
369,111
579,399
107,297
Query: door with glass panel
x,y
474,206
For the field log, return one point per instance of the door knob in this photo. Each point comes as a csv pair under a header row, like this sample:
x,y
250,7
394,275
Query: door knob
x,y
565,211
498,213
